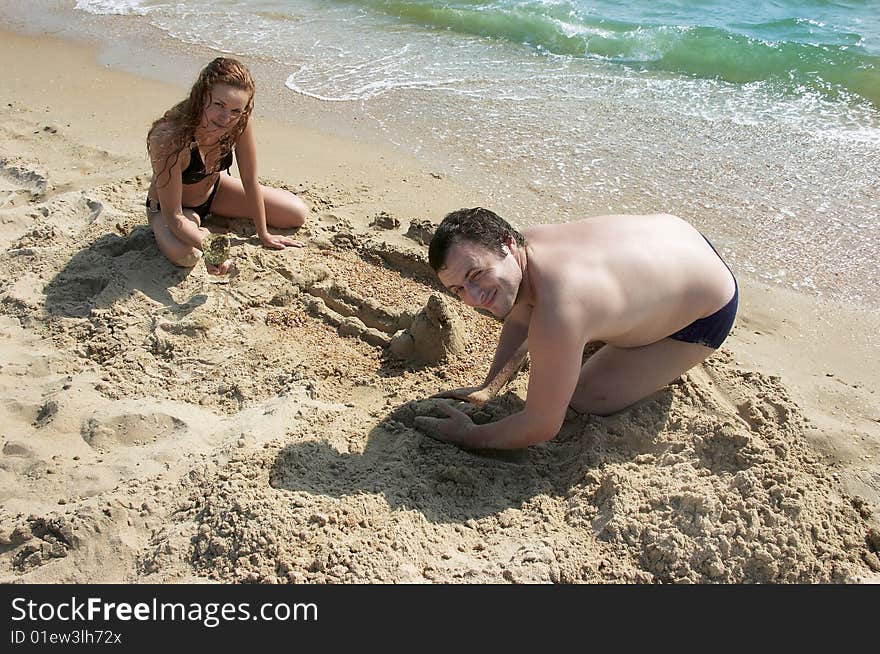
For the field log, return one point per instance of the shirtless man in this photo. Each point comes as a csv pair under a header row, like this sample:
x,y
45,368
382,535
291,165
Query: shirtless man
x,y
651,288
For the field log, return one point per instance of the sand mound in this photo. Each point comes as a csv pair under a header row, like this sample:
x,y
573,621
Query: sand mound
x,y
681,489
434,335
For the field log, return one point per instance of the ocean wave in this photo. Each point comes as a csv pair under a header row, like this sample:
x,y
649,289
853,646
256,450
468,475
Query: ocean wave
x,y
117,7
793,53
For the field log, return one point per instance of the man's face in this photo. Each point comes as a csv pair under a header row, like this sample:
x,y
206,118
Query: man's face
x,y
481,278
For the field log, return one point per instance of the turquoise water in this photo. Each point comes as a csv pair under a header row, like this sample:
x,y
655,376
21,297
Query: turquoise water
x,y
829,47
792,47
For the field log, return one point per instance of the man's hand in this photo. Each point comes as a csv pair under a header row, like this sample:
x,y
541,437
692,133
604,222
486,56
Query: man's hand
x,y
473,394
455,428
280,242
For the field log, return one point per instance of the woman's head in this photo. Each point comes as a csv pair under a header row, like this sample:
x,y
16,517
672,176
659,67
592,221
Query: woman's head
x,y
223,84
220,102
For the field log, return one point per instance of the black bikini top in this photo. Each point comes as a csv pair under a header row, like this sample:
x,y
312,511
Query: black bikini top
x,y
195,171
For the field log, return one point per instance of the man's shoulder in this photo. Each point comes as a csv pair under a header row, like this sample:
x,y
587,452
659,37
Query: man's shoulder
x,y
520,313
546,236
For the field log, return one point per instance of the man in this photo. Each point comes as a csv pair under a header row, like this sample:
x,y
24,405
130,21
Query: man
x,y
651,288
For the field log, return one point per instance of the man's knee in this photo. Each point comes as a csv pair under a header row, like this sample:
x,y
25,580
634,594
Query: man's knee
x,y
600,399
596,406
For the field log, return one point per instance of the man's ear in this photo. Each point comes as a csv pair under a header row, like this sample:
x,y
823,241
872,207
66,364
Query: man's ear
x,y
508,244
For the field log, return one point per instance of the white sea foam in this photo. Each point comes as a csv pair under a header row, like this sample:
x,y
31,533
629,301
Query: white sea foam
x,y
118,7
583,136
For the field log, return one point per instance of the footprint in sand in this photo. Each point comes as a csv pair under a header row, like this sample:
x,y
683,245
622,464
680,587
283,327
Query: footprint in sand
x,y
130,429
18,179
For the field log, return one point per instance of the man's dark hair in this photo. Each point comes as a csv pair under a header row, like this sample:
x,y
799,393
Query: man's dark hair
x,y
478,225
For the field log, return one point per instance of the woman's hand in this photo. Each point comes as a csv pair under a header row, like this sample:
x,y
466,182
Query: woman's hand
x,y
280,242
222,269
214,269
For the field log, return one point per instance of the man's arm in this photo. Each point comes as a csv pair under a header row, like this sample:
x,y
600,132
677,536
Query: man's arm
x,y
513,345
556,342
509,356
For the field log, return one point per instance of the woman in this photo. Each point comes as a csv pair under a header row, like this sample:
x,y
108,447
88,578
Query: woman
x,y
188,148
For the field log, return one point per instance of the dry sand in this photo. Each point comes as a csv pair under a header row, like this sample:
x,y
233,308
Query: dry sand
x,y
159,425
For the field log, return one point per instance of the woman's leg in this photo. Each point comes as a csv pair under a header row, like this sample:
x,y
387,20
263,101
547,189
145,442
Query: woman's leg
x,y
284,210
177,252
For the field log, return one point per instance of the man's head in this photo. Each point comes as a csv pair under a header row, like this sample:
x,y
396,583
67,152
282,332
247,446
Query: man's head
x,y
473,253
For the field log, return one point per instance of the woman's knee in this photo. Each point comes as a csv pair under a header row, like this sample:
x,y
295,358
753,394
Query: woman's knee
x,y
289,210
184,257
176,252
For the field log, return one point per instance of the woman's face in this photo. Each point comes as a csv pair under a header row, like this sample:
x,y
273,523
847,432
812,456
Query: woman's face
x,y
225,106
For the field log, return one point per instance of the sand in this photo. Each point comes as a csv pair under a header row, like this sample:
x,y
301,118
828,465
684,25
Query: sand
x,y
162,425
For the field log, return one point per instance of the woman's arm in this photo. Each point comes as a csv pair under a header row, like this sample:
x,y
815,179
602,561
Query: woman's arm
x,y
246,153
168,186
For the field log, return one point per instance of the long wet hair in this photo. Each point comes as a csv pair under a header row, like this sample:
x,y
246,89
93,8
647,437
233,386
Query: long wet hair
x,y
182,120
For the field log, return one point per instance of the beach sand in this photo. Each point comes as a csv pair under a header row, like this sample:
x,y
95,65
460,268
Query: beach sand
x,y
160,425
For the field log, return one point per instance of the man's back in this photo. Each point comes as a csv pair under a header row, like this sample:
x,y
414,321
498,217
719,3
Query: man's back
x,y
637,278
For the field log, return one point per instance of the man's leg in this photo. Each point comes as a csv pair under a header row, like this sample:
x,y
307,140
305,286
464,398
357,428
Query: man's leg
x,y
614,378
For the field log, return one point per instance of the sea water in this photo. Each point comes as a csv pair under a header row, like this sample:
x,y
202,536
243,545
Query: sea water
x,y
757,121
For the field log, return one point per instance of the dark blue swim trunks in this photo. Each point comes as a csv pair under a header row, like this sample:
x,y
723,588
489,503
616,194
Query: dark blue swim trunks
x,y
712,330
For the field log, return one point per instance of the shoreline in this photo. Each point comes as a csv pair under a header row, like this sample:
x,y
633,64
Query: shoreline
x,y
822,352
294,150
787,205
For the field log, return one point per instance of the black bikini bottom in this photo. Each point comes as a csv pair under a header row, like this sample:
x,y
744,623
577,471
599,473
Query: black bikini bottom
x,y
202,210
